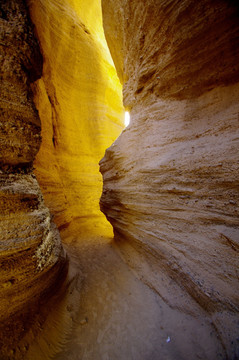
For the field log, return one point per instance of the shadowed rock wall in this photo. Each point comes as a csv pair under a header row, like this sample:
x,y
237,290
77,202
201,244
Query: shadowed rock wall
x,y
79,99
171,179
31,255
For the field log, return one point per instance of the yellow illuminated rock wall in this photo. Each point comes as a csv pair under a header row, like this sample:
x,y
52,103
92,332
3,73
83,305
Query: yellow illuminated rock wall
x,y
80,107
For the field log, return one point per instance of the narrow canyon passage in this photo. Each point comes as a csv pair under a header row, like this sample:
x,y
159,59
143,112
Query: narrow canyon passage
x,y
113,315
137,261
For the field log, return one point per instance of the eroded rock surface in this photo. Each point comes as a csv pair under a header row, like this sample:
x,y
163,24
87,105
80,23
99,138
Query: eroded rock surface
x,y
31,255
79,99
171,179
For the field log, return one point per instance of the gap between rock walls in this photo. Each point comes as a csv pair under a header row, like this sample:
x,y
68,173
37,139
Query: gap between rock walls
x,y
152,269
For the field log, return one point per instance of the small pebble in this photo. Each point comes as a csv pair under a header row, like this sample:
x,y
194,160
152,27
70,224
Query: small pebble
x,y
84,321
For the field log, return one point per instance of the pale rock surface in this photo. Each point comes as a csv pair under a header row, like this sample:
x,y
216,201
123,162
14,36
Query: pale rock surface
x,y
171,179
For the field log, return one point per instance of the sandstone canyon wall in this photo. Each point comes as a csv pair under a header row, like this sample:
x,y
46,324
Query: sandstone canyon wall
x,y
79,99
61,94
31,255
171,178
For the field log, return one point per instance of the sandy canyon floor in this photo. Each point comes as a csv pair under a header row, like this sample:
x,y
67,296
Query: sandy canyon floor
x,y
108,313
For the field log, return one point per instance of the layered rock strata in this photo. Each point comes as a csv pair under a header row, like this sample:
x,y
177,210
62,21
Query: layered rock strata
x,y
79,99
31,255
171,179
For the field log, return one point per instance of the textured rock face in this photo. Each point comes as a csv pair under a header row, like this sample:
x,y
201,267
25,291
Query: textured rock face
x,y
21,63
171,179
79,99
31,256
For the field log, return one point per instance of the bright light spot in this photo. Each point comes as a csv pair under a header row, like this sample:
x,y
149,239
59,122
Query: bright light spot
x,y
126,118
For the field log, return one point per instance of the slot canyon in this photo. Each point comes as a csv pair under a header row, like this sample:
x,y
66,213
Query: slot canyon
x,y
119,242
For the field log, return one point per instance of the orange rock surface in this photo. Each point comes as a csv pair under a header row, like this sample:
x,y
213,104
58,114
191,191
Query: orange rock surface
x,y
80,106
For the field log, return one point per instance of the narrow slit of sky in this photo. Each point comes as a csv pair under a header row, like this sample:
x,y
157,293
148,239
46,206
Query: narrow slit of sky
x,y
126,118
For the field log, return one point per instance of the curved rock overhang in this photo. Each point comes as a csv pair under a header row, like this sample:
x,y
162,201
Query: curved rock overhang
x,y
171,178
